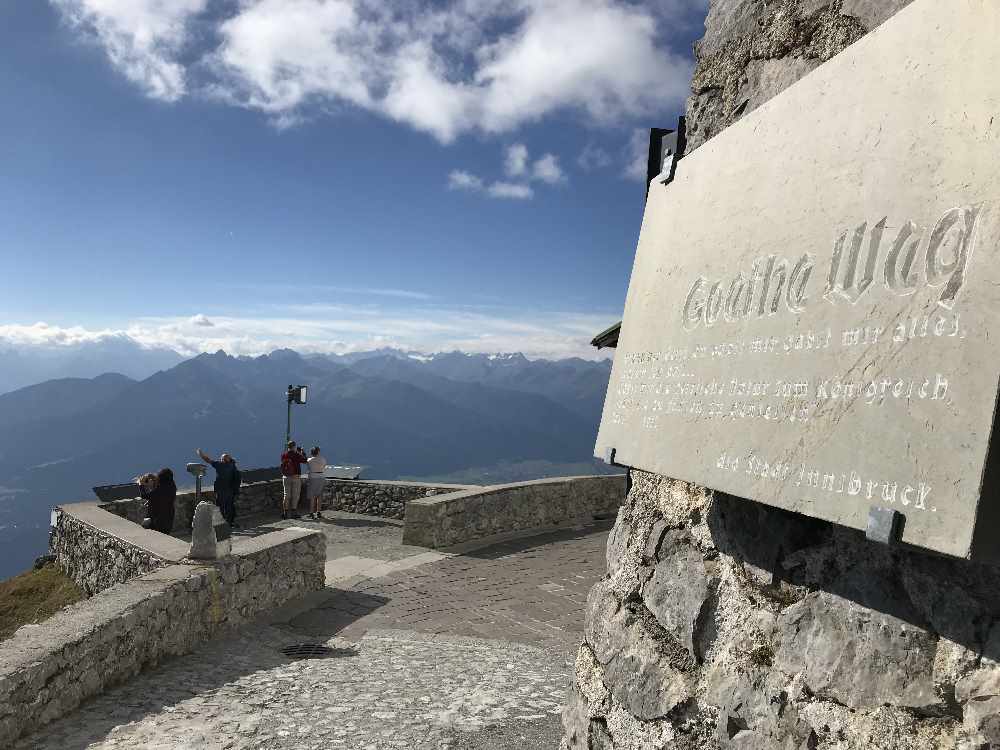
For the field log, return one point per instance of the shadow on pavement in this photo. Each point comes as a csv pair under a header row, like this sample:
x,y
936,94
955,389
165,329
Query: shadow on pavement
x,y
342,608
225,659
527,543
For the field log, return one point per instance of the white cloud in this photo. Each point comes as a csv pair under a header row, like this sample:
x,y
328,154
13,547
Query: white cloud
x,y
444,67
344,328
461,180
512,190
516,162
142,38
593,157
201,320
516,165
547,170
637,155
43,335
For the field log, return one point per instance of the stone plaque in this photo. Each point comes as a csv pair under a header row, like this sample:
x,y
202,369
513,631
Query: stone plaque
x,y
814,312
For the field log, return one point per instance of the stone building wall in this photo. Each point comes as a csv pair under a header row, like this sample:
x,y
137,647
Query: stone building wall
x,y
727,624
47,670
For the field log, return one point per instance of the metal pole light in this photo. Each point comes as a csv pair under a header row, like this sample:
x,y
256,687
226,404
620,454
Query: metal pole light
x,y
296,395
288,424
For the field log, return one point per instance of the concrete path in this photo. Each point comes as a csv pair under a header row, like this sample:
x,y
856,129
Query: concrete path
x,y
467,649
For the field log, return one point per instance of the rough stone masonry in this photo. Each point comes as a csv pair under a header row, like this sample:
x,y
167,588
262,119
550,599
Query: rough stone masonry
x,y
724,623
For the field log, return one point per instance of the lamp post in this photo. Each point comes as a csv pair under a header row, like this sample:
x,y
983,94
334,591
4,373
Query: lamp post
x,y
296,395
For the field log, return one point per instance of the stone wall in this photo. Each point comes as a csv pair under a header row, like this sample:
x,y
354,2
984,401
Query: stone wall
x,y
726,624
374,498
723,623
386,499
46,670
255,498
458,517
753,49
98,549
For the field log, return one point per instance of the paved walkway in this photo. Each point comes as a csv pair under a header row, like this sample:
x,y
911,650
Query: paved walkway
x,y
429,650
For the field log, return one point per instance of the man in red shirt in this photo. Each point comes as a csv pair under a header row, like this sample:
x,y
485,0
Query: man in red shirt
x,y
291,482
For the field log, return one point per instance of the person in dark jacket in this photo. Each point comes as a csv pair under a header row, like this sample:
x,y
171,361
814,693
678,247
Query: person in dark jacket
x,y
162,499
227,484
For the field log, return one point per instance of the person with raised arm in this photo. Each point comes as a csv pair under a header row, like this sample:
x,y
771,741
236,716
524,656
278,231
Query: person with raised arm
x,y
227,483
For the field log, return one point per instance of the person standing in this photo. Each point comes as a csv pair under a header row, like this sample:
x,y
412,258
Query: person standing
x,y
291,482
227,483
147,485
317,478
162,500
303,474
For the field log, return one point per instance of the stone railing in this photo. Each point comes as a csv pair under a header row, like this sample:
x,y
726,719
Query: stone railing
x,y
98,549
47,670
255,498
375,498
368,497
463,516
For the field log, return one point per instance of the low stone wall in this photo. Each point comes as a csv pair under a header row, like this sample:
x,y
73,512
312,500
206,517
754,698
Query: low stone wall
x,y
98,549
46,670
458,517
373,498
255,498
386,499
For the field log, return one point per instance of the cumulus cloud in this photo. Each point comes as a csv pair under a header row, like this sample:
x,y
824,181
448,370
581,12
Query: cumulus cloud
x,y
593,157
444,68
201,320
518,166
343,328
516,162
461,180
142,38
637,155
510,190
547,169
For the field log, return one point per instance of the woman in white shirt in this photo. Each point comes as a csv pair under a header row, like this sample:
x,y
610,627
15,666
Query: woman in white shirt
x,y
317,477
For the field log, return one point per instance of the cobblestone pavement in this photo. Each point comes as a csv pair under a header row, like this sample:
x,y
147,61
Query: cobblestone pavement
x,y
531,590
348,534
466,651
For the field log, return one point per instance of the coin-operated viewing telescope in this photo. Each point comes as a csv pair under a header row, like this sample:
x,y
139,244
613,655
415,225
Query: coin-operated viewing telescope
x,y
197,470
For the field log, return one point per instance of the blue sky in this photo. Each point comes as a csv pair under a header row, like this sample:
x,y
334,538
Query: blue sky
x,y
328,174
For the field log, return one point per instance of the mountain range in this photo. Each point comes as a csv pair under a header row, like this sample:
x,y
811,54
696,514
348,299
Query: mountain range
x,y
400,414
21,366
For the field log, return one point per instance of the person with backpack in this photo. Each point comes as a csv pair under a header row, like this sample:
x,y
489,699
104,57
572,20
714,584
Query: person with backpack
x,y
291,481
227,484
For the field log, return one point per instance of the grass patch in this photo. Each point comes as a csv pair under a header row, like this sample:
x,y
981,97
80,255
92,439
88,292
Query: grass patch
x,y
34,596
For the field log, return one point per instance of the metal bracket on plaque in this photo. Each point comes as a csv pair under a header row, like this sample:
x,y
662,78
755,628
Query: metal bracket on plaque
x,y
672,147
609,456
884,525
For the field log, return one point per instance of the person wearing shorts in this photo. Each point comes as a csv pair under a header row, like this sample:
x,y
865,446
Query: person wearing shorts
x,y
317,478
291,482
